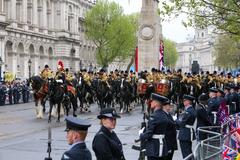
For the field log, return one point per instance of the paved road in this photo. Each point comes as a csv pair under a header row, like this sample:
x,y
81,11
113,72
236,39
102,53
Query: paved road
x,y
23,137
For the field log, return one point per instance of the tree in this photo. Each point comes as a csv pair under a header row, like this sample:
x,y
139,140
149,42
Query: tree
x,y
170,53
112,32
227,52
224,15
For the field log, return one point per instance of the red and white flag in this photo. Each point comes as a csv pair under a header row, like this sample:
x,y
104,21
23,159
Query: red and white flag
x,y
161,56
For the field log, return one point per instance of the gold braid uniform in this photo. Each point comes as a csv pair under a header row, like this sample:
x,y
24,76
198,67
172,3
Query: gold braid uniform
x,y
87,79
46,73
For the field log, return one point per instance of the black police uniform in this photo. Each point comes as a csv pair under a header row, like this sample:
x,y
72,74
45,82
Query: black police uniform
x,y
171,137
10,94
213,107
186,133
202,116
79,150
235,99
154,136
106,144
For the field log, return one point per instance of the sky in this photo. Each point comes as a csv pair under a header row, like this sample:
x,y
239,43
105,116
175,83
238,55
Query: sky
x,y
173,30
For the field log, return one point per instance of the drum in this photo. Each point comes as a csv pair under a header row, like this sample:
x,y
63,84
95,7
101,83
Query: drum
x,y
142,88
162,87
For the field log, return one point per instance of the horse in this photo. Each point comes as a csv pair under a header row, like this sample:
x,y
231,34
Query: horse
x,y
40,89
84,94
69,98
104,94
126,95
56,94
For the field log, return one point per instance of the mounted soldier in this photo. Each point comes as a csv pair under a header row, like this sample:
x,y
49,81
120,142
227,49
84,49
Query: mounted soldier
x,y
46,73
60,76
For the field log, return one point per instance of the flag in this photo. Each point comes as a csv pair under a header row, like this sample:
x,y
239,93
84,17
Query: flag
x,y
136,59
161,56
229,153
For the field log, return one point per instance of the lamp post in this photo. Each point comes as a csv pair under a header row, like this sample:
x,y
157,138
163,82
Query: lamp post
x,y
80,65
91,67
29,67
1,63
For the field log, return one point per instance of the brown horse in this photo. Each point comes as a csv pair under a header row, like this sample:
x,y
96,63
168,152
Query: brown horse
x,y
40,89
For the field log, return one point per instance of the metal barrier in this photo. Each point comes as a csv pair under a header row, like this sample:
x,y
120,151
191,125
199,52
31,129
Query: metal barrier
x,y
211,148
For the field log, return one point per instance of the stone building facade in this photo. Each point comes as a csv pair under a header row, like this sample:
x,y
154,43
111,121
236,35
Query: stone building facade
x,y
38,32
199,49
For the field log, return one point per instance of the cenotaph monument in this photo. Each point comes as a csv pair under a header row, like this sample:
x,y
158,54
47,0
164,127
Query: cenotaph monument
x,y
149,36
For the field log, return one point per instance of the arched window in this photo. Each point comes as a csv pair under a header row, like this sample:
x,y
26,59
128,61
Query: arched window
x,y
202,34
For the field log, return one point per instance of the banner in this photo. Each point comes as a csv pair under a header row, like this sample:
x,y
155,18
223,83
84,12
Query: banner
x,y
136,59
161,56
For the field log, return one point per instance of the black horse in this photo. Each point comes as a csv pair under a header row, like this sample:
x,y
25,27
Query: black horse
x,y
40,89
126,95
69,99
84,94
104,94
56,94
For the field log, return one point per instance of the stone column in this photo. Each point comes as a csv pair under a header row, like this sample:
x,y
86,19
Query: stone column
x,y
35,16
1,6
52,15
13,13
44,13
24,11
63,16
75,21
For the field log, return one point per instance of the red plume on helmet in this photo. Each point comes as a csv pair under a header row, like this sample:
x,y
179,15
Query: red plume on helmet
x,y
60,64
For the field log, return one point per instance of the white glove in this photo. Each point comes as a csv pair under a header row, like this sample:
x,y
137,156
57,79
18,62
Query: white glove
x,y
174,117
141,131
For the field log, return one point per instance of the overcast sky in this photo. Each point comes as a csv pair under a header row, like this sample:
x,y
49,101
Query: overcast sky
x,y
173,30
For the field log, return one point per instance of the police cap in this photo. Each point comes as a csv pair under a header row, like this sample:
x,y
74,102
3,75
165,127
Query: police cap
x,y
214,90
108,113
161,99
188,97
203,97
227,88
73,123
220,91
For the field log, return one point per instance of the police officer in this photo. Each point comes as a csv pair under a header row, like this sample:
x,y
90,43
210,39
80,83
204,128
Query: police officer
x,y
202,116
156,147
76,134
106,144
186,133
171,133
235,98
213,106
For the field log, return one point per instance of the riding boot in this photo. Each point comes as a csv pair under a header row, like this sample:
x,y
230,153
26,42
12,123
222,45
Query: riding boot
x,y
74,114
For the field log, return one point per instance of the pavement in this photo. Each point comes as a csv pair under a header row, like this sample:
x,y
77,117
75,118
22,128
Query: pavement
x,y
23,137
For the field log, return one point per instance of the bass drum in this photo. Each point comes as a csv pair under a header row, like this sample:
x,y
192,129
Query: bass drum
x,y
163,87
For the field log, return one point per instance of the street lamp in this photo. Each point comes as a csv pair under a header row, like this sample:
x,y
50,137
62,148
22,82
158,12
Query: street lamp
x,y
29,67
80,65
1,63
91,67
